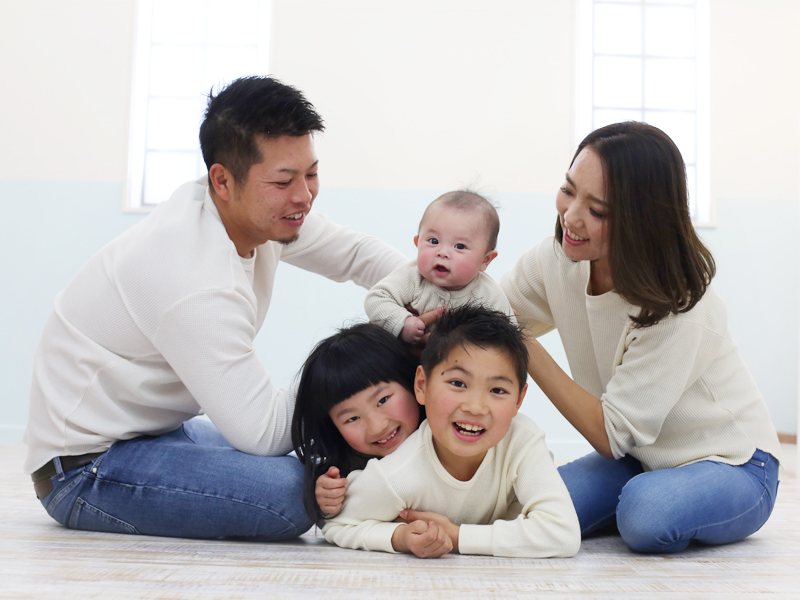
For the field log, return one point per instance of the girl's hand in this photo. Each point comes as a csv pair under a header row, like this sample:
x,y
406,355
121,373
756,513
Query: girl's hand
x,y
329,491
425,540
408,515
413,330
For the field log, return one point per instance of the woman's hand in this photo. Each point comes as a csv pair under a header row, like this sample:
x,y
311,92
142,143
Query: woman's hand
x,y
425,540
329,491
579,407
408,515
425,319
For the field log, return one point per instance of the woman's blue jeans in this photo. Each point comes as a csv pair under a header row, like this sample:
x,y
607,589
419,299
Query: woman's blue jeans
x,y
187,483
662,511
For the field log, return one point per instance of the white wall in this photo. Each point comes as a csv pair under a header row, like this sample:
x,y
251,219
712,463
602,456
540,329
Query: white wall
x,y
419,98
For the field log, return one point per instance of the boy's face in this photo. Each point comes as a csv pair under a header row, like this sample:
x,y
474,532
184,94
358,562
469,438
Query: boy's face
x,y
470,400
452,246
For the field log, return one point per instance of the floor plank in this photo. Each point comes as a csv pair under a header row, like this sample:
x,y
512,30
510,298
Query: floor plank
x,y
39,558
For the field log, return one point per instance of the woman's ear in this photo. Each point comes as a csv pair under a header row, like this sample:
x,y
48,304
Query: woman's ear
x,y
419,385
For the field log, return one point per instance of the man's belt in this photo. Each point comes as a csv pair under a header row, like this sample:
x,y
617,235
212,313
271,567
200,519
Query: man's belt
x,y
41,477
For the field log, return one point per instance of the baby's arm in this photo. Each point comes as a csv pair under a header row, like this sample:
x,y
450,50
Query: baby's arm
x,y
329,491
386,301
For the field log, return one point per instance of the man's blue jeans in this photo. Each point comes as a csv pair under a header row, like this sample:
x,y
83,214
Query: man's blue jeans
x,y
187,483
662,511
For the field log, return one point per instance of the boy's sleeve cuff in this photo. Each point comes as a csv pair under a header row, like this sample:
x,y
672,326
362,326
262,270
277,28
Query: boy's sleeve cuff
x,y
475,539
379,537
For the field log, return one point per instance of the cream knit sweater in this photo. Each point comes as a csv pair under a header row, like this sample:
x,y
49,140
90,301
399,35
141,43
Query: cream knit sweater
x,y
515,505
673,393
158,327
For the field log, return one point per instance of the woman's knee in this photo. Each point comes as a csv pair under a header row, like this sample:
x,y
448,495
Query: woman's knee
x,y
646,519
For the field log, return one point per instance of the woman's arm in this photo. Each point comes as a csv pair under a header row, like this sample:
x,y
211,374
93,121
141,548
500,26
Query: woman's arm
x,y
579,407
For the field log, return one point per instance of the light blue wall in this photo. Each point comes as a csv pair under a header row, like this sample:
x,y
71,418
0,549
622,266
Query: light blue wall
x,y
49,230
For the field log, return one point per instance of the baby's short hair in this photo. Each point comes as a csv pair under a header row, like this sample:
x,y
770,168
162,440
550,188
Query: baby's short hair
x,y
476,325
466,199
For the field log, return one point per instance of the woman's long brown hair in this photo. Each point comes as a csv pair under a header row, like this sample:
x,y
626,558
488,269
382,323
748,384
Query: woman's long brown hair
x,y
657,261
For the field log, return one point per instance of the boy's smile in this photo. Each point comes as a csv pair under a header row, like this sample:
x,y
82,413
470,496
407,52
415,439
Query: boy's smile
x,y
470,400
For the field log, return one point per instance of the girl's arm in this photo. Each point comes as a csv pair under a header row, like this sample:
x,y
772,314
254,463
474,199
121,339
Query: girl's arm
x,y
583,410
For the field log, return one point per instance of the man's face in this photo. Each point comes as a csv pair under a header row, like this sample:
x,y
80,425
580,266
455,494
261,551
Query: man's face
x,y
278,194
470,400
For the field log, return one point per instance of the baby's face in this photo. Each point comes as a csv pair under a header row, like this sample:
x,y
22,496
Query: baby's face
x,y
452,246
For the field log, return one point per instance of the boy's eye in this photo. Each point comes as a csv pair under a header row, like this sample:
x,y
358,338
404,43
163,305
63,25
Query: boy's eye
x,y
433,241
457,383
383,400
460,247
498,391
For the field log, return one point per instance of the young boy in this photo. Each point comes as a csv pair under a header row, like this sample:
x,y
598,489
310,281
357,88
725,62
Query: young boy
x,y
481,473
456,242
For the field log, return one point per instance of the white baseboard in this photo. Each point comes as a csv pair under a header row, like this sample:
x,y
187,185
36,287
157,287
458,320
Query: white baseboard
x,y
11,435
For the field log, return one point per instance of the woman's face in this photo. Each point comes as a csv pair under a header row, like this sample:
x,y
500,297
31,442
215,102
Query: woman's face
x,y
583,210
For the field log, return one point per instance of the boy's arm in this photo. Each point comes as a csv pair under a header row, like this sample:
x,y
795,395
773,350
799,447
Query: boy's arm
x,y
386,301
547,525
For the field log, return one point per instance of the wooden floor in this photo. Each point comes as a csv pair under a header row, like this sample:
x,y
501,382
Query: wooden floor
x,y
40,559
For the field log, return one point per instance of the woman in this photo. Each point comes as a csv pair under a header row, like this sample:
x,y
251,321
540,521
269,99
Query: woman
x,y
685,449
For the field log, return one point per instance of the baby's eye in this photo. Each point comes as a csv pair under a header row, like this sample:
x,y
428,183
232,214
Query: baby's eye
x,y
460,247
433,241
383,400
457,383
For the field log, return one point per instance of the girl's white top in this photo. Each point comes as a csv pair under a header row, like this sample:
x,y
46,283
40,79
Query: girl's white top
x,y
674,393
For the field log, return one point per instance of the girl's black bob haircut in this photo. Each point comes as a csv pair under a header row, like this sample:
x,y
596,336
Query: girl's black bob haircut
x,y
353,359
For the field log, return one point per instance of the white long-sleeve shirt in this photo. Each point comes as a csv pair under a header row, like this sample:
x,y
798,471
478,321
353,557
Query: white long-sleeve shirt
x,y
515,505
158,327
674,393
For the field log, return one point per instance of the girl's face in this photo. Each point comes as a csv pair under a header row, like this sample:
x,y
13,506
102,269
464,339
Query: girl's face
x,y
583,210
375,421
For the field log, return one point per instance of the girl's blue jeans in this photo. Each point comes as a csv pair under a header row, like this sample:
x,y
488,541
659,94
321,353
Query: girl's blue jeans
x,y
662,511
187,483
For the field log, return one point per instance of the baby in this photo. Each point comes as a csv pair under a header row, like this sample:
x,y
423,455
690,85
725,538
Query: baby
x,y
482,472
456,242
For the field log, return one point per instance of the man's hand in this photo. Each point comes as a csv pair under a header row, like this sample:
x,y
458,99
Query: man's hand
x,y
329,491
408,515
425,540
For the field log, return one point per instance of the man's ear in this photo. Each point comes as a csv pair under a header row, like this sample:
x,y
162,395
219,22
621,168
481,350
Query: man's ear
x,y
222,180
490,256
416,241
521,396
419,385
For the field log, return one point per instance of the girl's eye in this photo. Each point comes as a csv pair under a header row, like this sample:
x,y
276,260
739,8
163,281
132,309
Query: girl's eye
x,y
458,383
460,247
352,420
433,241
383,400
596,214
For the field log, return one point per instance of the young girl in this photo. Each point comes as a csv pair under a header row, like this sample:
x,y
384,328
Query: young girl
x,y
355,402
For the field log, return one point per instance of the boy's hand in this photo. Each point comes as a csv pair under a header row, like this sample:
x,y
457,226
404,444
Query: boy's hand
x,y
425,540
329,491
413,330
408,515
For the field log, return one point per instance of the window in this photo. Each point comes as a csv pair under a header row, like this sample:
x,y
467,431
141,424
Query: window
x,y
183,48
647,60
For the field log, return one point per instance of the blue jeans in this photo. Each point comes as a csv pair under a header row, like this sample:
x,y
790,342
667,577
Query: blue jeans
x,y
187,483
662,511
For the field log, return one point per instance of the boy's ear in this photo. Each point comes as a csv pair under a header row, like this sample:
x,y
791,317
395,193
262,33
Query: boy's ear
x,y
521,396
222,181
490,256
416,241
419,385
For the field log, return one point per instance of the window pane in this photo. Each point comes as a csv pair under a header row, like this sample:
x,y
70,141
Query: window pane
x,y
165,171
669,31
175,70
233,21
681,127
617,29
173,123
684,2
226,63
177,22
617,82
605,116
669,83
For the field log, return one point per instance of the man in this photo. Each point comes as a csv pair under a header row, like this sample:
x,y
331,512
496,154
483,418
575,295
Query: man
x,y
158,327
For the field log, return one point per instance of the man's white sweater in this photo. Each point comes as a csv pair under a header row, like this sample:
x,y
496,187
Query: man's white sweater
x,y
674,393
515,505
158,327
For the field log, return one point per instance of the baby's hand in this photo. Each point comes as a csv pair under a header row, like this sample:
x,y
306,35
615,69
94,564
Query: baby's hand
x,y
425,540
413,330
329,491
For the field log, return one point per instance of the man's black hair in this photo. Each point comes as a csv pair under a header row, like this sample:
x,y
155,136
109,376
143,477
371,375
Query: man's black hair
x,y
247,108
475,325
